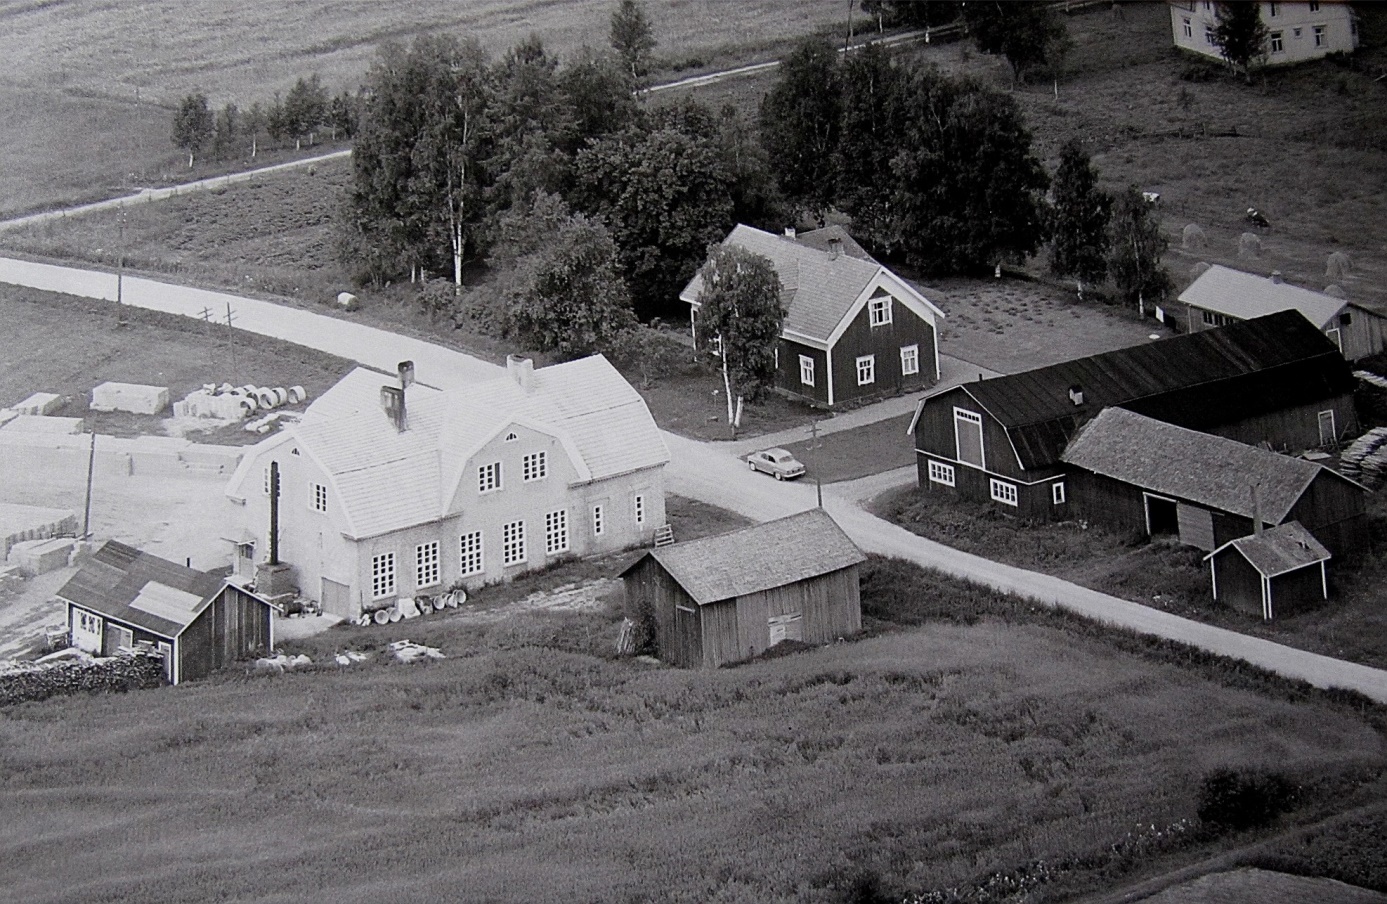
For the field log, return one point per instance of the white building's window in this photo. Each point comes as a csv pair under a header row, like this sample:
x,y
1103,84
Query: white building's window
x,y
1189,29
267,480
512,437
1209,36
489,477
319,497
806,370
426,570
535,466
639,508
1272,10
879,311
941,473
1277,45
1057,492
383,575
866,369
555,532
599,524
968,437
513,543
1003,492
1319,35
470,554
1314,6
88,622
910,360
1296,33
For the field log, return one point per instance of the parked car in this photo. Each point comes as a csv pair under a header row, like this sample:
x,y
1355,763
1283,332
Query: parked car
x,y
776,462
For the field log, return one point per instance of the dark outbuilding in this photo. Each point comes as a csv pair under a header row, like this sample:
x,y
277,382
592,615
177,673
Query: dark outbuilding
x,y
728,598
1277,572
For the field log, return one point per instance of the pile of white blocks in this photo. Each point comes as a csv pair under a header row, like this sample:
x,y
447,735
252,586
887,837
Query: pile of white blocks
x,y
232,403
132,397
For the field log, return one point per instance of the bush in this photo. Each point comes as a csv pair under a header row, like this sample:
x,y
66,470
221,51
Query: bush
x,y
1234,800
1198,72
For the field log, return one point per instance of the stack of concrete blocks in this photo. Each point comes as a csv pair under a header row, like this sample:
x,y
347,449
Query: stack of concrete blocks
x,y
40,423
40,403
31,522
35,557
132,397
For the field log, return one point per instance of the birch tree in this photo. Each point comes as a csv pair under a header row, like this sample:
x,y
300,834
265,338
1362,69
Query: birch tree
x,y
739,316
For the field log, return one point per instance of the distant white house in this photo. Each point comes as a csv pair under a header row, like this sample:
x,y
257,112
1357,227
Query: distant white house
x,y
470,486
1296,32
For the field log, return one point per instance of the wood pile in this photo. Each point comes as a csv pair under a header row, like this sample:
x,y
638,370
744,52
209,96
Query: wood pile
x,y
1365,460
1371,378
125,672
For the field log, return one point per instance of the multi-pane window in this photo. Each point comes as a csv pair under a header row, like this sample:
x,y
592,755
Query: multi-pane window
x,y
806,370
383,575
555,532
1209,36
1319,35
470,554
426,570
1189,29
1272,9
968,437
1277,45
513,543
866,369
1057,492
319,497
941,473
489,477
879,311
910,360
1003,492
1212,319
1314,6
639,506
88,622
535,466
599,523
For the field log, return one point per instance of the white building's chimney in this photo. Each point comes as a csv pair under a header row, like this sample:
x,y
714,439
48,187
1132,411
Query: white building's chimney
x,y
522,371
1276,277
789,232
835,246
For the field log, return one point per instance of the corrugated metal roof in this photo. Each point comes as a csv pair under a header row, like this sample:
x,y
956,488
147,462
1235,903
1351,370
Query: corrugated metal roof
x,y
1278,550
1199,379
116,576
1247,295
758,558
1189,465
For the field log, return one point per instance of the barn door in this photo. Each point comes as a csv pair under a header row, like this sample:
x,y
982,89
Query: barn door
x,y
1327,433
1161,515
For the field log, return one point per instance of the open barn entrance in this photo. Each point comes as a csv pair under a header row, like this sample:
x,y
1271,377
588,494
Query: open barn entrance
x,y
1162,516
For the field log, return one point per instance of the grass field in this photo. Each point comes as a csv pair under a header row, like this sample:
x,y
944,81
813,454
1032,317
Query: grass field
x,y
530,765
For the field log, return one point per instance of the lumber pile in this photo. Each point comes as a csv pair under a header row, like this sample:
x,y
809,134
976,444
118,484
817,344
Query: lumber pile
x,y
128,671
1365,459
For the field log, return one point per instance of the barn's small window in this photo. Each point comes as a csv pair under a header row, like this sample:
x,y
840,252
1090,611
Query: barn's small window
x,y
879,311
910,360
941,473
806,370
513,543
866,369
1004,492
383,575
1057,492
426,570
1277,45
1345,319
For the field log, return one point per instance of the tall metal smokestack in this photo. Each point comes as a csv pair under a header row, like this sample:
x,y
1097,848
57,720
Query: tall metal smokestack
x,y
274,513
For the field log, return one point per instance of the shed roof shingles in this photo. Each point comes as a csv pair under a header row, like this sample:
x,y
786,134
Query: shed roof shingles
x,y
1247,295
1278,550
116,574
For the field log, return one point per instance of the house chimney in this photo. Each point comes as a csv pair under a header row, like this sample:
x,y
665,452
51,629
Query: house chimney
x,y
522,371
789,232
392,400
1076,394
835,246
1276,277
406,371
1256,511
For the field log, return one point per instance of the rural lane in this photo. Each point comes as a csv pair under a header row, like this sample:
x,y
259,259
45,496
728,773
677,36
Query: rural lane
x,y
711,472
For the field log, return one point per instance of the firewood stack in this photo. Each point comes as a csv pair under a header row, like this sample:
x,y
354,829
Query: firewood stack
x,y
125,672
1365,460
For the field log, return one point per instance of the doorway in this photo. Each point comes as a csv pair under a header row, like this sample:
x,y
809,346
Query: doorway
x,y
1162,516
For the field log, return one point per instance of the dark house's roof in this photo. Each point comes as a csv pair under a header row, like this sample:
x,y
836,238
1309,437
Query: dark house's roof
x,y
1198,380
140,589
1281,549
757,558
1195,467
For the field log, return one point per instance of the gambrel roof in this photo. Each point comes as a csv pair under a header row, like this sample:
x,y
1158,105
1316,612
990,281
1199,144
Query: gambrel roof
x,y
385,479
820,291
1247,295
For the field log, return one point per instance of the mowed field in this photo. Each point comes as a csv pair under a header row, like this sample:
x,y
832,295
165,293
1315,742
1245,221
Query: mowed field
x,y
529,766
88,89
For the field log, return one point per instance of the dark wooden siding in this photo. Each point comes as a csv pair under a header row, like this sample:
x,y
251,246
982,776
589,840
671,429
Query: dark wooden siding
x,y
1239,584
1115,505
1364,335
934,433
677,631
1293,429
722,642
1296,591
787,371
1335,511
234,627
861,338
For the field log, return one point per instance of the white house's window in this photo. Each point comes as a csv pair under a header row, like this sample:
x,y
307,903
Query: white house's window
x,y
489,477
512,437
866,369
1319,35
1277,45
535,466
267,480
806,370
910,360
470,553
1209,36
715,346
968,437
513,543
555,532
426,571
319,497
1296,33
599,523
879,311
1314,6
382,575
941,473
1189,29
639,508
1057,492
1272,9
1003,492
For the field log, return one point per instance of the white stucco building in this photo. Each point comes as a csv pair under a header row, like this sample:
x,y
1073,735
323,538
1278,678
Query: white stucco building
x,y
1296,32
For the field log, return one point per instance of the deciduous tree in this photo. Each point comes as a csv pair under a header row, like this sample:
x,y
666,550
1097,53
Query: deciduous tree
x,y
800,121
1241,35
632,37
1031,36
875,116
1136,250
227,127
1079,219
598,93
192,125
739,309
305,109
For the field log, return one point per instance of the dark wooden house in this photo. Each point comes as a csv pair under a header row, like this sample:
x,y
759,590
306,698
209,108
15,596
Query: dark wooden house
x,y
1135,473
728,598
1275,380
852,328
1277,572
199,622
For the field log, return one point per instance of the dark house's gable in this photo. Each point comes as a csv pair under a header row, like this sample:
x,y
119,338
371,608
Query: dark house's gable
x,y
902,350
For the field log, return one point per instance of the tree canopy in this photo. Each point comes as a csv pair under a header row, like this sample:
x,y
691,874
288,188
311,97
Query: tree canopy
x,y
193,125
1136,247
801,117
1240,34
632,37
875,113
739,313
1031,36
1079,218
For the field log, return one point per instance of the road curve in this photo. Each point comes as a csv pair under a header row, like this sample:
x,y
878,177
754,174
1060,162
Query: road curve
x,y
711,473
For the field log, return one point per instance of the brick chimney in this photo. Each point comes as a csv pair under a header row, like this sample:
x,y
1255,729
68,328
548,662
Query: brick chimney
x,y
522,371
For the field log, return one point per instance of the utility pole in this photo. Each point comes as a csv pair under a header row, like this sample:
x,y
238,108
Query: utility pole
x,y
231,340
120,267
91,467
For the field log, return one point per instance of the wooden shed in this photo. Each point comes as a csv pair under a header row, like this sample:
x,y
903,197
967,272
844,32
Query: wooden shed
x,y
198,621
1277,572
728,598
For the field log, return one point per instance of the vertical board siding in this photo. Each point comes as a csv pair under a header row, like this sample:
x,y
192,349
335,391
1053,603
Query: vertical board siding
x,y
677,633
1196,525
1239,584
861,338
1292,429
787,373
720,641
1335,511
1296,591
